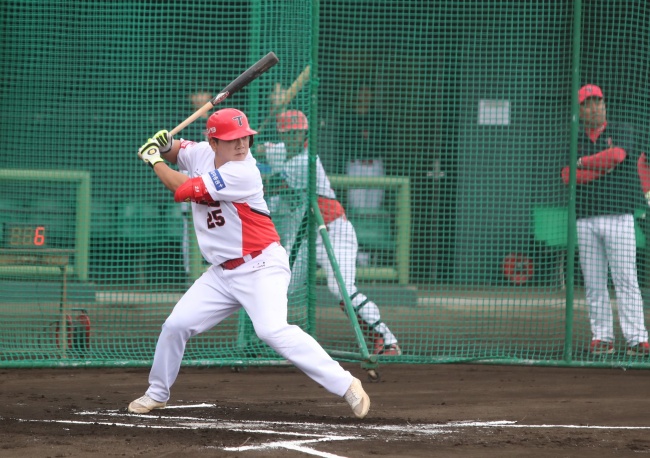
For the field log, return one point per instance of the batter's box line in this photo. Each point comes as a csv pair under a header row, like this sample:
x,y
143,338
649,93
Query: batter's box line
x,y
422,428
251,426
297,445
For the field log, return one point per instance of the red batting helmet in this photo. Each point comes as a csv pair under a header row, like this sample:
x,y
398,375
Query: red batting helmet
x,y
292,120
228,124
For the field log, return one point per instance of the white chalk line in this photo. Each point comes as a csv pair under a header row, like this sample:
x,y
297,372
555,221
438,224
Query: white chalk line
x,y
308,431
190,406
253,427
295,445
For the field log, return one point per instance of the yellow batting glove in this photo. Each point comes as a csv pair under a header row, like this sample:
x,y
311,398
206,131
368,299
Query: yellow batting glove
x,y
164,140
150,153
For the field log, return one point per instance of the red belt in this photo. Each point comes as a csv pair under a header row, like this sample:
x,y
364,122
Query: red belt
x,y
234,263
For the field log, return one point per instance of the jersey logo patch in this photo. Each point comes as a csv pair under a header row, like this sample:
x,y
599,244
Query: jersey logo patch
x,y
215,176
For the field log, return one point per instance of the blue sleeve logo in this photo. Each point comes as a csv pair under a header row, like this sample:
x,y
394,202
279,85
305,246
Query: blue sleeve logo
x,y
215,176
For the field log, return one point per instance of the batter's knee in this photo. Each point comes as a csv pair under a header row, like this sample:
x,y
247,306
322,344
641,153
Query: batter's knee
x,y
272,334
173,327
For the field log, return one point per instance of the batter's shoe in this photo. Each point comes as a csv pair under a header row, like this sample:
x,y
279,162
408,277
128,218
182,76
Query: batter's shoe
x,y
145,405
357,398
390,350
642,349
601,347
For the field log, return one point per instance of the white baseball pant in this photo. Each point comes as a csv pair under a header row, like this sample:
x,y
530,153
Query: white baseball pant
x,y
604,240
260,286
345,246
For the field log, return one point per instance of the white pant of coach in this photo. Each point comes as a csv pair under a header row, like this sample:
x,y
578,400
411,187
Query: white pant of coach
x,y
604,240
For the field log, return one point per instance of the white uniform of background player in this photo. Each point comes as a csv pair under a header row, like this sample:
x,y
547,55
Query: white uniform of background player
x,y
292,166
249,268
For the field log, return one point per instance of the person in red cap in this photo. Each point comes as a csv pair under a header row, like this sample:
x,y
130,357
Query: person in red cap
x,y
589,90
607,194
289,160
249,268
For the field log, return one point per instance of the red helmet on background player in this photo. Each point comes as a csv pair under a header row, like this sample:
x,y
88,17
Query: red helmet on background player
x,y
291,120
228,124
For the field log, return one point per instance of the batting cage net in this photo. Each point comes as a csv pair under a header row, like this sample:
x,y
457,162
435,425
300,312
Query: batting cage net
x,y
445,189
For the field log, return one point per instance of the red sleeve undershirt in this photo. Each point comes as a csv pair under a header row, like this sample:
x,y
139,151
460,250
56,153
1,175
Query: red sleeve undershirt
x,y
596,165
644,172
193,190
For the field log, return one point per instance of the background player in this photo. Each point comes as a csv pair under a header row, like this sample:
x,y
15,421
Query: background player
x,y
249,268
289,160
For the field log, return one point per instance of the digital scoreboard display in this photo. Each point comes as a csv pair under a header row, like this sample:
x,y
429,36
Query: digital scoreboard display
x,y
21,235
45,222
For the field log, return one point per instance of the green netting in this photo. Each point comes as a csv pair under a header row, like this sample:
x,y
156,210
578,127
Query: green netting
x,y
443,127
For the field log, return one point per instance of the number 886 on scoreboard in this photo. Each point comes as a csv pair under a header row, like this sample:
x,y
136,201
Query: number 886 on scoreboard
x,y
24,235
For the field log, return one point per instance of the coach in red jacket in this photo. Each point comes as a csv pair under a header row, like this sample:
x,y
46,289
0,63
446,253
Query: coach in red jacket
x,y
608,192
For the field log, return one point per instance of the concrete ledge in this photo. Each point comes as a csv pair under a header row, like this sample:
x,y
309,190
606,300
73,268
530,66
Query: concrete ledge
x,y
30,291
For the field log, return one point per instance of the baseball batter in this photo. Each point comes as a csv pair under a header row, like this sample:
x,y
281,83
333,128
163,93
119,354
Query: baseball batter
x,y
289,160
607,194
249,268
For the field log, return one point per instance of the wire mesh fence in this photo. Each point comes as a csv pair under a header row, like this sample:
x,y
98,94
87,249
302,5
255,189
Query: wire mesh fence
x,y
447,133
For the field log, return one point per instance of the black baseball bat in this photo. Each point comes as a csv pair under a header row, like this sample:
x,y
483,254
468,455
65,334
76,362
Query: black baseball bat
x,y
238,83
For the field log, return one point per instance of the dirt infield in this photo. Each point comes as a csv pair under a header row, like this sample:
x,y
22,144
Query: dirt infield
x,y
416,411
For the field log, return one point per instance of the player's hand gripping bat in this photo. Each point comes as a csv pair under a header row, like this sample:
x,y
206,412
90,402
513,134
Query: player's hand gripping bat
x,y
238,83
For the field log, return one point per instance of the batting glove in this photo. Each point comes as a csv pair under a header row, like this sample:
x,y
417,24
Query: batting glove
x,y
164,141
150,153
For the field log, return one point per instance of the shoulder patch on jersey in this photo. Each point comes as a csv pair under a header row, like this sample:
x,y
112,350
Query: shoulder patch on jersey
x,y
215,176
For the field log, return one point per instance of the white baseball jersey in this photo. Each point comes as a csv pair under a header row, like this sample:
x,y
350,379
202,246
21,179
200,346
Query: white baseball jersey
x,y
296,174
295,170
239,214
